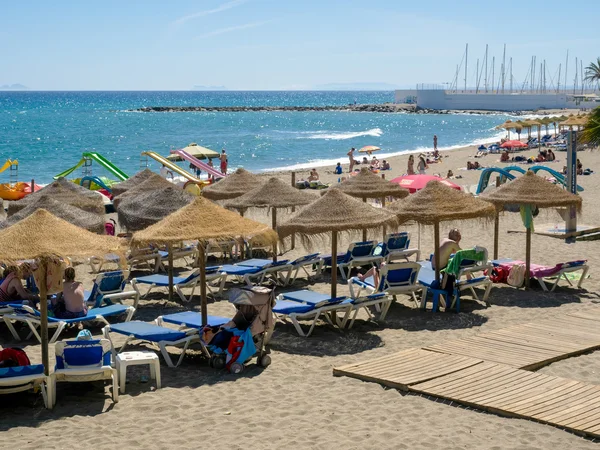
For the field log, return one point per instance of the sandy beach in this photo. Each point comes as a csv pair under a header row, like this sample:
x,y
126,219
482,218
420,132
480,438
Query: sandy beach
x,y
296,402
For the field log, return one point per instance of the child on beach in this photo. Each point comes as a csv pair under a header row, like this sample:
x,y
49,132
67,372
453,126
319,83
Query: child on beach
x,y
338,169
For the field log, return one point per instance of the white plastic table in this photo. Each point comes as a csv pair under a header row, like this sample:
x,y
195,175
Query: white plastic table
x,y
127,359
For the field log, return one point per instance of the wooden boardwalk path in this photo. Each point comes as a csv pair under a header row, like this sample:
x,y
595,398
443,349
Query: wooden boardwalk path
x,y
491,371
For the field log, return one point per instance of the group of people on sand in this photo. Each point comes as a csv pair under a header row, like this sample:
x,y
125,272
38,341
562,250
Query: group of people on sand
x,y
422,165
68,304
374,164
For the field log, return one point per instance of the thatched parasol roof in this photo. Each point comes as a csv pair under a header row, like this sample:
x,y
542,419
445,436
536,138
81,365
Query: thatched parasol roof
x,y
136,212
87,220
202,220
531,189
63,191
232,186
438,203
272,194
574,121
138,178
336,211
368,185
41,234
151,183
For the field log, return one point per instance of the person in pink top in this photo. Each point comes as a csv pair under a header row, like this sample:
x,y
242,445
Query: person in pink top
x,y
70,303
12,289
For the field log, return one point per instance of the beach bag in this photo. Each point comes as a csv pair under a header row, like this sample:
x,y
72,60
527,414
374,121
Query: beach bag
x,y
498,275
516,276
13,357
110,227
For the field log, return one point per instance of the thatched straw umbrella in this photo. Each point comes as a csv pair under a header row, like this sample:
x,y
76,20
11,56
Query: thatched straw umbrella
x,y
335,212
44,237
202,221
533,191
138,178
510,125
273,194
525,124
87,220
232,186
573,121
136,212
439,203
368,185
152,182
63,191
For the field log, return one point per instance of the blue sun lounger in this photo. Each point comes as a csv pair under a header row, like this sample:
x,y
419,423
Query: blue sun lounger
x,y
396,245
309,305
314,260
394,279
213,273
190,319
33,318
154,334
24,378
246,271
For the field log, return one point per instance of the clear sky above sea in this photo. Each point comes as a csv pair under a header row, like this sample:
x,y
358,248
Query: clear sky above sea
x,y
281,44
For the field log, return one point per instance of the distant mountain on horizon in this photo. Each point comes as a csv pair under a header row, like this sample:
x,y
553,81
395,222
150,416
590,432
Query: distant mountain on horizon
x,y
13,87
209,88
366,86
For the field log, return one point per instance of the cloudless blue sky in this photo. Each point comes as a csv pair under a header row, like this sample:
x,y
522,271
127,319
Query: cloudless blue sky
x,y
281,44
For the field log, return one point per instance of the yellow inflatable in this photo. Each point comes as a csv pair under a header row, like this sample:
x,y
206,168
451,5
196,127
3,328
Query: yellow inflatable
x,y
14,191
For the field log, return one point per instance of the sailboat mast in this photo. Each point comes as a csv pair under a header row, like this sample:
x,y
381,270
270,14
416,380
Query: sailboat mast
x,y
503,67
566,69
466,63
486,68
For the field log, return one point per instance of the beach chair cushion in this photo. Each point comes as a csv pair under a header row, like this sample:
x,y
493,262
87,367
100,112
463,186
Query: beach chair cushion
x,y
315,299
537,270
255,263
193,319
20,371
147,332
291,307
163,280
230,269
104,311
81,353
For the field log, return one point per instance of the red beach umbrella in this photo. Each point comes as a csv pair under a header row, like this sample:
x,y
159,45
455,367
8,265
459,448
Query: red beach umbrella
x,y
415,183
513,144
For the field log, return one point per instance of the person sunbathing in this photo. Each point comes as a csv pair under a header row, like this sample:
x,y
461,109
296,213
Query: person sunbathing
x,y
372,272
314,175
11,287
70,303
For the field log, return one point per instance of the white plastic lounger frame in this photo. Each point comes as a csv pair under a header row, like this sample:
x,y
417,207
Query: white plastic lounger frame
x,y
301,264
357,261
93,372
193,281
118,294
405,253
561,275
192,337
34,323
327,312
12,385
279,273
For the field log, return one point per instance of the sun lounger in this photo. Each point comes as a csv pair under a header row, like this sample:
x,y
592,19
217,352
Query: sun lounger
x,y
24,378
558,271
394,279
279,272
154,334
246,271
190,319
84,361
183,252
427,280
359,254
192,280
109,287
311,306
396,246
32,318
303,262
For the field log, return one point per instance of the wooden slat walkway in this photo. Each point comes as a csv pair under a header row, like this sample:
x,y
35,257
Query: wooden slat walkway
x,y
407,367
532,345
491,371
514,392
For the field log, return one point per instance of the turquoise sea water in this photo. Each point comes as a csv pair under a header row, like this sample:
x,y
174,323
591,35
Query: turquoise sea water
x,y
48,131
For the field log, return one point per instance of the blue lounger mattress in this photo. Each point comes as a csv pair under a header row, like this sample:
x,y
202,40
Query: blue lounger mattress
x,y
147,332
291,307
193,319
230,269
20,371
255,263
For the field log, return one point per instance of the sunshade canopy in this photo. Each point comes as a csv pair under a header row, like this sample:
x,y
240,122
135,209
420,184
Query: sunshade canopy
x,y
417,182
272,194
63,191
138,178
513,144
153,182
366,184
76,216
232,186
196,151
369,149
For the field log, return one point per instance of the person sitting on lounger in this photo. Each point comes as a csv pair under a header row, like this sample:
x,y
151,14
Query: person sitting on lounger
x,y
12,288
448,247
70,303
372,272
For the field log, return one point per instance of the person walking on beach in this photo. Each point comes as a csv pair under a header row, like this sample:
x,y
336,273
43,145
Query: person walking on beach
x,y
435,142
351,157
410,170
224,161
422,165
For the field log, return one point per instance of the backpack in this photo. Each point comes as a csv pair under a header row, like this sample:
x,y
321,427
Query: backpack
x,y
13,357
516,276
110,227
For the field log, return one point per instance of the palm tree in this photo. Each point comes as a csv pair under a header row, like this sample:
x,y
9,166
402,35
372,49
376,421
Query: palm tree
x,y
591,131
592,72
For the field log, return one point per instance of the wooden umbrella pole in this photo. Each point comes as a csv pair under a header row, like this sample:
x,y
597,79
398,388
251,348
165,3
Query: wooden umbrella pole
x,y
274,226
364,237
44,314
496,232
436,254
293,245
527,256
170,252
203,299
334,265
383,206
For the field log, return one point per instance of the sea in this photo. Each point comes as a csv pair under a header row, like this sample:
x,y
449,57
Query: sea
x,y
47,132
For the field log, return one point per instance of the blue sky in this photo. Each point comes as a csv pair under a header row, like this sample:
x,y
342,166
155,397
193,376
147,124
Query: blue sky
x,y
280,44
